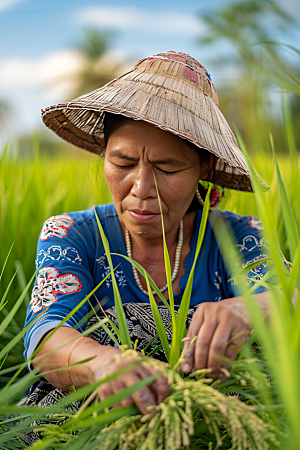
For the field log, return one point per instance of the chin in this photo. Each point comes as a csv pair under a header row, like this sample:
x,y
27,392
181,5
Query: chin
x,y
147,231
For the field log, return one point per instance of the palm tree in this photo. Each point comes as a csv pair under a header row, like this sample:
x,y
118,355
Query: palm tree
x,y
243,25
99,67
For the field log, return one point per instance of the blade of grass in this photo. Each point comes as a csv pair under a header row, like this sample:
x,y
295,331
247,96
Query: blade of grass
x,y
7,290
109,321
6,259
144,273
290,222
167,261
116,398
22,280
158,322
185,302
16,306
124,333
153,339
28,362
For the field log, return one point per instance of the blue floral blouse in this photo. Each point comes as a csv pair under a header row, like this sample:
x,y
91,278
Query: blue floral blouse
x,y
71,262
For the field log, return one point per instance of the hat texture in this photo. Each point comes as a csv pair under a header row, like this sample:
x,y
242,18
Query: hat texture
x,y
170,90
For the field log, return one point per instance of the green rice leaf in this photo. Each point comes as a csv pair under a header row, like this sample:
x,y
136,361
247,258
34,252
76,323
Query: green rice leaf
x,y
290,223
107,330
116,398
6,291
124,333
16,306
158,321
6,259
167,263
246,269
22,280
185,302
144,273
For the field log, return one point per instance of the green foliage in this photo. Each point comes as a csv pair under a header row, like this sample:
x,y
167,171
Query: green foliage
x,y
32,190
274,408
98,67
251,65
95,43
257,406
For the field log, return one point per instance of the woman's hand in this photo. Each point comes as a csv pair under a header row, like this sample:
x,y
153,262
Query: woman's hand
x,y
215,324
149,395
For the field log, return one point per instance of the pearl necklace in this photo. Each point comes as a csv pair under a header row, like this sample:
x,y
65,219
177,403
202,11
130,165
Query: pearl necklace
x,y
176,264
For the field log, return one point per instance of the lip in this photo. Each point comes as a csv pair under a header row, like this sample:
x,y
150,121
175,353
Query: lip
x,y
142,216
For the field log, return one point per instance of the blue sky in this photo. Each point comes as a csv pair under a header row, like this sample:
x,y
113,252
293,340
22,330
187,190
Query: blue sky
x,y
32,28
38,40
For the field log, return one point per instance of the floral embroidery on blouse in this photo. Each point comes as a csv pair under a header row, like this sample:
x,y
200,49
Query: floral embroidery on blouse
x,y
48,284
57,253
56,226
251,243
254,222
119,274
257,272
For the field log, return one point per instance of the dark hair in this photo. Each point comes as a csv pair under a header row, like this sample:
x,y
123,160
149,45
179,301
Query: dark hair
x,y
112,122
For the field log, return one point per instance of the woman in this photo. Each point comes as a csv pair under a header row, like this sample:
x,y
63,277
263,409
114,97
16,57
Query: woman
x,y
178,137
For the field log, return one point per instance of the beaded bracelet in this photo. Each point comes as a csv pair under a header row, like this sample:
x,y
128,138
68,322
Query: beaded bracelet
x,y
72,388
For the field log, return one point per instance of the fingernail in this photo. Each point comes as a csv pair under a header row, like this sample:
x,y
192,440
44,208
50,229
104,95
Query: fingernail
x,y
145,396
185,367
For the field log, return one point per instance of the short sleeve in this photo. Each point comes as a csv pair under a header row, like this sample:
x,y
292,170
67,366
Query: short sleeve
x,y
64,277
252,247
241,243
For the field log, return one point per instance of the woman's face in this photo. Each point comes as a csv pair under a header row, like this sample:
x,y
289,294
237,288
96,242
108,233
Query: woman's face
x,y
135,152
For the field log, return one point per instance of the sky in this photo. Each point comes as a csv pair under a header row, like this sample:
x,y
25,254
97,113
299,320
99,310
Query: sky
x,y
38,40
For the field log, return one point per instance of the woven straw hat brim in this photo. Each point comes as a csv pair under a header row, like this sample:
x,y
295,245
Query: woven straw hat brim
x,y
159,94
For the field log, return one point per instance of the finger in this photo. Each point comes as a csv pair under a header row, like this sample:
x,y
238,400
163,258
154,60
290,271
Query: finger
x,y
203,342
193,331
143,397
159,387
126,401
116,386
218,346
105,391
162,387
145,370
231,351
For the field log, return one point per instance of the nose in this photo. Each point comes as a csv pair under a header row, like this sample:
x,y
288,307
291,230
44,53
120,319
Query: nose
x,y
143,185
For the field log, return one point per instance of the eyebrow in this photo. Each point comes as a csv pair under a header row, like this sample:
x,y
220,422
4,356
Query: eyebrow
x,y
121,155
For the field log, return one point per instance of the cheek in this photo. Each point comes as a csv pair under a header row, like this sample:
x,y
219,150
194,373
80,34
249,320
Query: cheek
x,y
107,173
184,186
116,182
179,193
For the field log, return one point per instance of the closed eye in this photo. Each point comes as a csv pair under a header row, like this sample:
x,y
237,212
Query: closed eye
x,y
129,166
124,167
166,172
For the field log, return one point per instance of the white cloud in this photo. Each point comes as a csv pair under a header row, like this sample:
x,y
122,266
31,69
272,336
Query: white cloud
x,y
6,4
25,72
30,85
159,22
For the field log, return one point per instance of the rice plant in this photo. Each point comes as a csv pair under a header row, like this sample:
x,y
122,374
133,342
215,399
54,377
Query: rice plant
x,y
256,407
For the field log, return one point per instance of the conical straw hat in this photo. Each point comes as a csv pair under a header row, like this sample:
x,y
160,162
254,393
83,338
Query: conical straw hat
x,y
171,91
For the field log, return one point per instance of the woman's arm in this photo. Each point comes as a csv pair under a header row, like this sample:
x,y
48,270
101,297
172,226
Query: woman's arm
x,y
102,365
81,374
215,324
